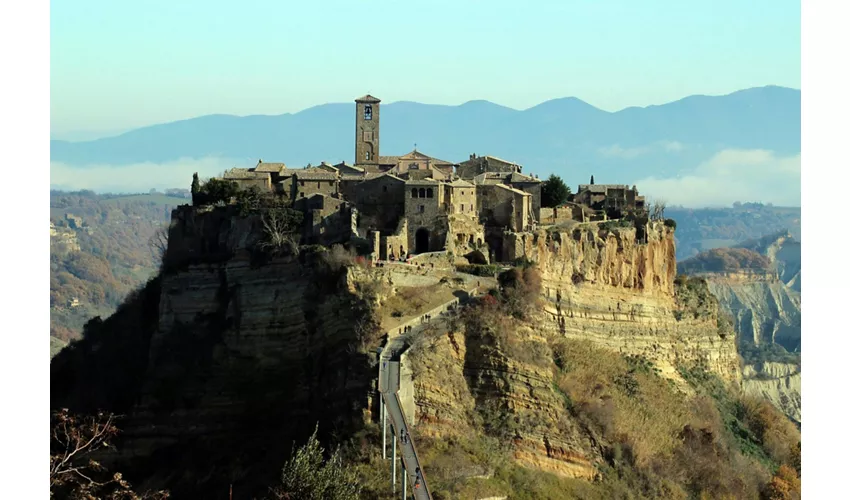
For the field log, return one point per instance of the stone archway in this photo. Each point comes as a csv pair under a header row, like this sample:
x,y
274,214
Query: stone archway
x,y
422,240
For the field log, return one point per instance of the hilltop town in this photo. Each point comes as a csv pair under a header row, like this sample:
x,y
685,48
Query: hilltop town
x,y
414,203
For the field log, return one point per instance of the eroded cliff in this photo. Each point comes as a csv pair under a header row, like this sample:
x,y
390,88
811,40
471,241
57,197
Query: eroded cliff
x,y
606,287
619,289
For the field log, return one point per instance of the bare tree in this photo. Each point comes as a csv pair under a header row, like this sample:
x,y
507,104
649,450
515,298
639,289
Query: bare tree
x,y
656,209
73,471
159,243
278,228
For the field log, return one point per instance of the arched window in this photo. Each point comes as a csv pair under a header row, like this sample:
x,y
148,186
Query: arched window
x,y
429,193
414,192
421,192
368,155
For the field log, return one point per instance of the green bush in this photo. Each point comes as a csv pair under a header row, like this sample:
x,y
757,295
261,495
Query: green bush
x,y
486,270
670,223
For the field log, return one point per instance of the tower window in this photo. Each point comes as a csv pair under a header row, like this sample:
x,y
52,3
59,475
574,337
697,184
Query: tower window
x,y
429,193
367,112
421,209
368,155
415,192
461,207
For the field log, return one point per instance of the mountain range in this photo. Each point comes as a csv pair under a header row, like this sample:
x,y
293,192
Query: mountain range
x,y
565,136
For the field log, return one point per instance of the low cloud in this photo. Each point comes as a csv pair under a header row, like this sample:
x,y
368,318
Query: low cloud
x,y
732,175
140,177
617,151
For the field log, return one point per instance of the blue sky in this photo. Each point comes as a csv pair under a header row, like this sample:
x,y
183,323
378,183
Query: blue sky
x,y
120,65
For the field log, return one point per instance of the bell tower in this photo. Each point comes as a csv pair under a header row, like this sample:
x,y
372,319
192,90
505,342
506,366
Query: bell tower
x,y
367,133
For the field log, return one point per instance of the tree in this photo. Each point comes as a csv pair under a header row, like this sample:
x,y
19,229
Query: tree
x,y
74,473
196,183
308,476
591,180
554,192
159,243
280,226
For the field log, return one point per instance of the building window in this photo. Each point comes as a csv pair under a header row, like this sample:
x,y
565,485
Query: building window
x,y
368,155
461,207
385,189
302,183
421,209
302,195
421,192
367,112
414,192
319,184
429,193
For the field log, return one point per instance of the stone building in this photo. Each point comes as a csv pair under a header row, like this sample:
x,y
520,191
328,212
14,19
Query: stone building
x,y
519,181
477,165
367,139
416,203
247,178
614,200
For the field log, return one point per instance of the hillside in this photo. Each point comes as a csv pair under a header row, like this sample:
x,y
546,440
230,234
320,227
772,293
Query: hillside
x,y
100,250
757,283
706,228
591,373
566,136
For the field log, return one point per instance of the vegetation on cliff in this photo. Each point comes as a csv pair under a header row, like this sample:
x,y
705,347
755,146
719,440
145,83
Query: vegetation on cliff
x,y
726,260
114,257
653,438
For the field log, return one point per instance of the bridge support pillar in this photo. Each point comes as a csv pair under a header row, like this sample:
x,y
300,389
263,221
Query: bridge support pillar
x,y
394,460
384,428
403,481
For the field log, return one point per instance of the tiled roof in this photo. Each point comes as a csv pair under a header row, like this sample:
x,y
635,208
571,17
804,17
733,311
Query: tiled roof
x,y
269,167
315,176
518,177
388,160
514,190
460,183
499,159
367,98
244,173
424,182
600,188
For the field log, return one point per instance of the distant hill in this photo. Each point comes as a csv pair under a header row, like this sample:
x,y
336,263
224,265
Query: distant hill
x,y
706,228
100,251
565,136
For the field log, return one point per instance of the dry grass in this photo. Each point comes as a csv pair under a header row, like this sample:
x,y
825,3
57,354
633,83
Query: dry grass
x,y
631,403
409,302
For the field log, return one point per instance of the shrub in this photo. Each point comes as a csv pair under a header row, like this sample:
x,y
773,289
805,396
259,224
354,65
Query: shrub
x,y
215,191
308,476
489,271
520,288
670,223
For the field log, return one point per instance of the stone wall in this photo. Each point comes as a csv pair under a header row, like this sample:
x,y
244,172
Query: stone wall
x,y
307,188
460,198
495,205
380,202
425,216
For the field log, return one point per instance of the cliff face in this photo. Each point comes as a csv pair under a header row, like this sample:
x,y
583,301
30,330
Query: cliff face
x,y
245,358
609,287
779,383
765,311
599,286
